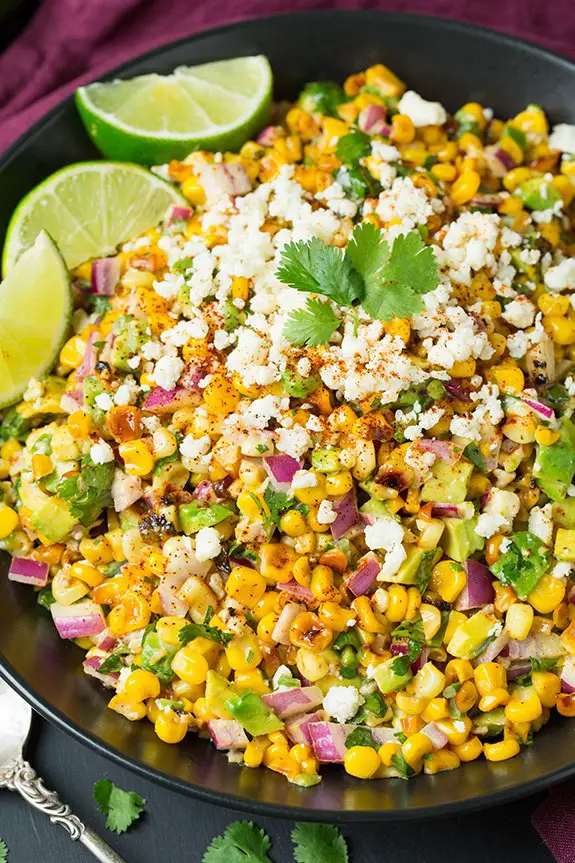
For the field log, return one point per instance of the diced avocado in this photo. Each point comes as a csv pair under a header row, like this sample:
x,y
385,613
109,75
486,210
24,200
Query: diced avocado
x,y
172,475
523,563
53,519
130,336
253,714
472,634
448,483
195,515
407,572
375,490
565,544
554,466
298,386
460,539
564,513
386,678
157,656
218,691
490,724
538,194
378,508
129,519
326,460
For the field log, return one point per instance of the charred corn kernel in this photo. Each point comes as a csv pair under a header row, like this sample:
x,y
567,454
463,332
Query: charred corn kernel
x,y
508,378
220,395
386,753
246,586
553,304
465,187
367,618
565,188
277,758
524,705
502,750
437,708
141,684
415,747
131,614
336,617
73,352
127,707
194,191
412,705
50,554
190,665
254,751
429,681
431,619
456,730
469,141
545,436
10,449
313,522
441,761
339,483
488,676
514,178
164,442
41,465
458,669
168,629
397,604
302,571
86,573
8,520
138,460
384,80
96,551
413,602
361,761
312,666
240,288
560,329
511,206
309,631
322,585
251,680
467,697
277,561
448,580
400,327
446,172
566,704
170,727
402,129
312,495
496,698
547,595
243,653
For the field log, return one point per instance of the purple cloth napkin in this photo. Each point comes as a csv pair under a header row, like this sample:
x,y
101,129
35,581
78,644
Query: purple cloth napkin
x,y
70,42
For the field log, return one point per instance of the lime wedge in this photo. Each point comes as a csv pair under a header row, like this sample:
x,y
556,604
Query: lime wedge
x,y
155,118
88,209
35,311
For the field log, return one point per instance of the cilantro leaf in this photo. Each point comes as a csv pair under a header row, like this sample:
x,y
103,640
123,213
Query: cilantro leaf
x,y
3,851
368,251
319,843
473,453
410,271
89,491
357,183
312,325
98,305
353,147
361,737
410,629
523,564
402,663
241,842
204,630
401,765
278,502
14,426
113,662
45,597
121,807
320,269
424,570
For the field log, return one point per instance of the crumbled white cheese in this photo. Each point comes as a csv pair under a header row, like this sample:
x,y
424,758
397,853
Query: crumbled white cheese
x,y
342,702
101,452
501,508
104,401
167,371
563,138
386,533
420,111
562,276
193,448
304,479
208,544
326,513
541,523
520,313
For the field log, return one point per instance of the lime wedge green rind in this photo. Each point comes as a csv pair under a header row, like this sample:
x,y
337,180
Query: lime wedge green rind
x,y
88,209
155,118
35,311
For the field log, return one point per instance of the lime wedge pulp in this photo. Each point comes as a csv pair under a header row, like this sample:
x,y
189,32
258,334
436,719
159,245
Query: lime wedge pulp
x,y
35,311
155,118
88,209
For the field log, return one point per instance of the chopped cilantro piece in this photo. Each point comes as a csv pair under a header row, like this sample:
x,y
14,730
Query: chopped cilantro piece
x,y
361,737
121,807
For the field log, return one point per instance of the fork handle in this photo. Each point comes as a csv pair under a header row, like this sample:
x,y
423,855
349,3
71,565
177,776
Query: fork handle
x,y
24,779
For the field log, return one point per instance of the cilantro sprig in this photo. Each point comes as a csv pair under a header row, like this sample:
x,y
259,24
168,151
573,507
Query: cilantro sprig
x,y
122,808
203,630
386,281
246,842
3,851
319,843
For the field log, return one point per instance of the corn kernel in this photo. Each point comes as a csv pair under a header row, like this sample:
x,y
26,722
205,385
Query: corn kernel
x,y
465,187
246,586
501,751
141,684
361,761
138,460
8,520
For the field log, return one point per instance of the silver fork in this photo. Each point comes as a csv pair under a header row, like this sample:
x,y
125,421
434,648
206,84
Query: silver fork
x,y
17,775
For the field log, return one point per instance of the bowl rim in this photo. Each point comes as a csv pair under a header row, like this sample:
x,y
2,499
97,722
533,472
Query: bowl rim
x,y
217,798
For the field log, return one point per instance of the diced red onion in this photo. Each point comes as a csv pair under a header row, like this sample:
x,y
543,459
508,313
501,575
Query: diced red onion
x,y
398,648
540,409
288,614
91,666
298,729
191,378
442,449
291,702
294,588
71,401
281,469
168,589
177,213
205,491
455,389
160,400
364,576
518,669
221,180
486,199
88,365
382,735
347,514
437,737
498,160
420,661
227,734
446,510
493,650
328,741
541,646
105,276
79,620
479,588
568,676
28,571
269,135
126,490
105,640
372,120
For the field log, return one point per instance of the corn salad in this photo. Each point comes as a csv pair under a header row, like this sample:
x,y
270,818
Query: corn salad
x,y
313,500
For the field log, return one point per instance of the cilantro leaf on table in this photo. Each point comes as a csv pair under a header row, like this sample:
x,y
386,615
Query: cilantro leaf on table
x,y
3,851
121,807
241,842
353,146
320,269
318,843
312,325
396,289
89,491
203,630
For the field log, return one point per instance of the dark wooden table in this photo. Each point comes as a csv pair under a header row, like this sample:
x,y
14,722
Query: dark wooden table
x,y
178,828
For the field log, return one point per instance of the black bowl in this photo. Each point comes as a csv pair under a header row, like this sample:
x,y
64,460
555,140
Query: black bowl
x,y
443,60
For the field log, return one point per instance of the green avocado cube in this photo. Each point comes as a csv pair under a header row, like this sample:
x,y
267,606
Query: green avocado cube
x,y
53,520
460,539
448,483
